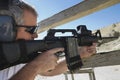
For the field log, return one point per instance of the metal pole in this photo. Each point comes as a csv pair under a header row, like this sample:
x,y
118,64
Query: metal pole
x,y
92,75
72,76
66,77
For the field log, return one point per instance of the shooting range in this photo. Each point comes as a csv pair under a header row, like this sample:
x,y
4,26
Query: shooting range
x,y
82,9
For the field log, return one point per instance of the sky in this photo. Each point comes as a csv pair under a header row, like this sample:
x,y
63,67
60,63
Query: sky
x,y
97,20
102,18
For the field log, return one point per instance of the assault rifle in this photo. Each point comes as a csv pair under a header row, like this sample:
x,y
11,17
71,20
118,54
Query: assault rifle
x,y
80,37
12,55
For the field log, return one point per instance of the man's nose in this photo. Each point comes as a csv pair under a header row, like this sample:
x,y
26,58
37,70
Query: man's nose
x,y
35,35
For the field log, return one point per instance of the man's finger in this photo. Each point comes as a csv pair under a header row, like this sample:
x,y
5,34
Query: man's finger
x,y
55,50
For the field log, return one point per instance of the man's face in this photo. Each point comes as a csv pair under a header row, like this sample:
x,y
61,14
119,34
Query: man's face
x,y
29,20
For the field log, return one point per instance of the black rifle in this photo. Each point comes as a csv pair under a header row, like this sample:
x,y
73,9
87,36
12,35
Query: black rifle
x,y
80,37
30,49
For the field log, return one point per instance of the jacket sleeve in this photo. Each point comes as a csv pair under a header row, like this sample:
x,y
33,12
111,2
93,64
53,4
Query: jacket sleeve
x,y
13,53
22,51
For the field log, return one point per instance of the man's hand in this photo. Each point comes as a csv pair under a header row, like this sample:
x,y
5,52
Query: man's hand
x,y
87,51
47,60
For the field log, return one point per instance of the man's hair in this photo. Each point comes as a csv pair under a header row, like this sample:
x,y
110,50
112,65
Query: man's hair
x,y
28,7
18,12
